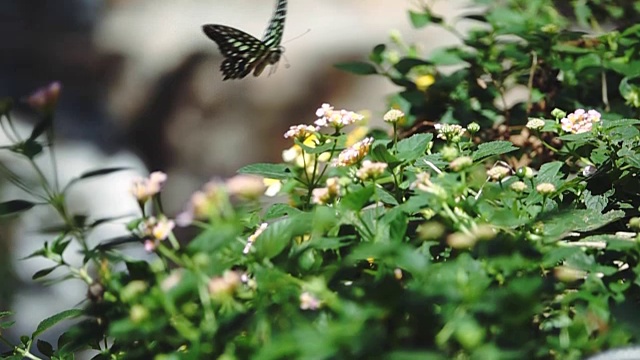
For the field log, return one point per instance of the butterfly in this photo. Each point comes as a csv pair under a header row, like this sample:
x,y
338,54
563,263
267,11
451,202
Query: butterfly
x,y
245,53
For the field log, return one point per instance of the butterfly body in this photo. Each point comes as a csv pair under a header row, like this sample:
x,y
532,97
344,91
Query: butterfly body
x,y
245,53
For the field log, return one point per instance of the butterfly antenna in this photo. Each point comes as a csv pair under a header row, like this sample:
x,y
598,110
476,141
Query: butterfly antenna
x,y
299,36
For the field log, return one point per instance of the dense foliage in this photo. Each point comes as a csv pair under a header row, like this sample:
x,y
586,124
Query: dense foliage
x,y
466,229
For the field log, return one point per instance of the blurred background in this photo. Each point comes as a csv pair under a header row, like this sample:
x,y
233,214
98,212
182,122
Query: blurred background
x,y
142,88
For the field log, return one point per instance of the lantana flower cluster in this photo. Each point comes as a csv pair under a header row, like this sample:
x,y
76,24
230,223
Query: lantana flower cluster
x,y
337,119
450,132
580,121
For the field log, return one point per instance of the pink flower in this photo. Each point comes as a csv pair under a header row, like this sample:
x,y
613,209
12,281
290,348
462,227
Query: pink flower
x,y
144,188
580,121
328,117
45,98
353,154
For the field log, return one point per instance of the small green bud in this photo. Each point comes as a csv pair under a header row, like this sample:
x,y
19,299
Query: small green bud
x,y
138,313
525,172
461,163
473,128
634,224
558,114
449,153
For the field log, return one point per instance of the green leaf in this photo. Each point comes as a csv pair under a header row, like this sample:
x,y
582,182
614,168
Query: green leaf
x,y
581,220
414,147
280,210
5,314
549,172
53,320
377,54
414,355
493,148
419,20
98,172
275,238
386,197
357,67
612,242
44,272
6,324
44,347
356,200
315,150
270,171
610,124
406,64
444,57
596,202
633,160
60,244
332,243
213,239
382,154
15,206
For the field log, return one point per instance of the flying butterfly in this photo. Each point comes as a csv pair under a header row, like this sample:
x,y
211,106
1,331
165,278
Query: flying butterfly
x,y
244,53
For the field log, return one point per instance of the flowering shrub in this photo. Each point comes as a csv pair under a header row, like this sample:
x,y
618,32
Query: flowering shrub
x,y
390,244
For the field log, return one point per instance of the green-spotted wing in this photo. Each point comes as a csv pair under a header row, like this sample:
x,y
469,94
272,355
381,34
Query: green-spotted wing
x,y
245,53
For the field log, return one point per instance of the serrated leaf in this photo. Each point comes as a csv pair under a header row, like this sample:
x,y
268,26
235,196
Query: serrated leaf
x,y
493,148
279,210
55,319
386,197
633,160
275,238
357,67
381,153
549,172
610,124
15,206
414,147
581,220
270,171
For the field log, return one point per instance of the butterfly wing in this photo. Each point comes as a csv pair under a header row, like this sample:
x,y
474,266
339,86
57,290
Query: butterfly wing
x,y
273,35
241,50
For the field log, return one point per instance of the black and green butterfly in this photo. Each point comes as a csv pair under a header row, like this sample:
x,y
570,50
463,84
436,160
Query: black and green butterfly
x,y
243,52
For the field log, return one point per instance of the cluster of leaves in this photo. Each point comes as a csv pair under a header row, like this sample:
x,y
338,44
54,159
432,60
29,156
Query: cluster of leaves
x,y
426,259
514,45
391,246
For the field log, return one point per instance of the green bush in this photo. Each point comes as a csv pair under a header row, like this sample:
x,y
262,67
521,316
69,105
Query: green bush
x,y
418,241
